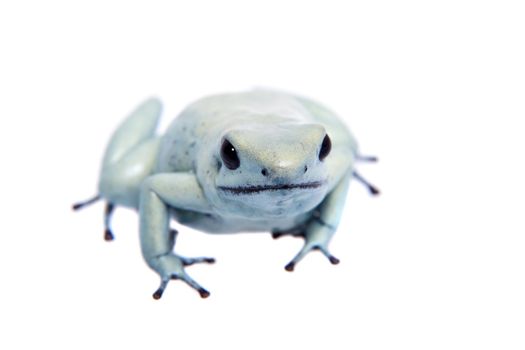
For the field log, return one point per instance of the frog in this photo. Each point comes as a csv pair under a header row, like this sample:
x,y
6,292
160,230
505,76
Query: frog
x,y
259,160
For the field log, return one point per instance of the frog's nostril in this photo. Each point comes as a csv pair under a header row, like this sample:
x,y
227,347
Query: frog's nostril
x,y
305,168
264,172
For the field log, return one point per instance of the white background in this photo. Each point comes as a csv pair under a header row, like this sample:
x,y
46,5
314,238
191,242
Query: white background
x,y
435,88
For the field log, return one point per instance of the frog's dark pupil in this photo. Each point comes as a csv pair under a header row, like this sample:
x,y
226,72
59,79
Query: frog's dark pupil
x,y
326,146
229,155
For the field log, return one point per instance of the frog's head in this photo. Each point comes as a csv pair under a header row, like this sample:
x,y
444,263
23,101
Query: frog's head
x,y
269,171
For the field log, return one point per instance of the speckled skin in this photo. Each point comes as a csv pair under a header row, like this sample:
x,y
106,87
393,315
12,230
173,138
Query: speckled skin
x,y
281,185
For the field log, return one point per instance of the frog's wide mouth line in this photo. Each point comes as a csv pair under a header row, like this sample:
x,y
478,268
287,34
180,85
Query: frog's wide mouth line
x,y
261,188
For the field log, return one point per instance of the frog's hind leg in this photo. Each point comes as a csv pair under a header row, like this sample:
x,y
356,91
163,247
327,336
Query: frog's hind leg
x,y
129,158
138,127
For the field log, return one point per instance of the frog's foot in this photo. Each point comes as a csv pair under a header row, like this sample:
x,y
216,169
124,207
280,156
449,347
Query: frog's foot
x,y
108,214
171,267
311,243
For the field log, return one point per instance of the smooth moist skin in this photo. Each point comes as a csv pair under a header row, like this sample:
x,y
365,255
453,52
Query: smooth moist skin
x,y
256,161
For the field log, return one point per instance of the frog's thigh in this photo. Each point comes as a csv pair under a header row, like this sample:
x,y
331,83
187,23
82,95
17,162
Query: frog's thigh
x,y
120,181
160,192
138,127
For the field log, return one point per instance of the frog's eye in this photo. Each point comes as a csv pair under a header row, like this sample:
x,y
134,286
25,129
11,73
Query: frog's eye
x,y
229,155
326,146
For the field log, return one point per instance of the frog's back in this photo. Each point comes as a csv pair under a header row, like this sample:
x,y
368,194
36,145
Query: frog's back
x,y
203,122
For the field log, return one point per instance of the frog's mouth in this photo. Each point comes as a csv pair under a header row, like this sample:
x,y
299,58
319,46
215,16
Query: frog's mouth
x,y
262,188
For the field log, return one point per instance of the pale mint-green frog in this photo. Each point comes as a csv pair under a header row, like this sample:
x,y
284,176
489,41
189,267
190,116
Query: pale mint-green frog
x,y
256,161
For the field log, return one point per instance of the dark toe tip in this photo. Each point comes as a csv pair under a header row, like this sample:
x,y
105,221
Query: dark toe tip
x,y
289,267
276,235
204,293
157,295
108,235
210,260
334,260
375,191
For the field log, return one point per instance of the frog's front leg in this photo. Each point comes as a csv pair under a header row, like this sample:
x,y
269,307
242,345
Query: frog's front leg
x,y
322,225
158,193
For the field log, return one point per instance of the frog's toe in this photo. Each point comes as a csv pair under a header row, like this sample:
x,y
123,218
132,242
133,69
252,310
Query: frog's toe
x,y
374,191
108,213
333,260
158,293
307,248
298,234
191,261
191,282
302,253
294,232
87,202
183,277
108,234
276,235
